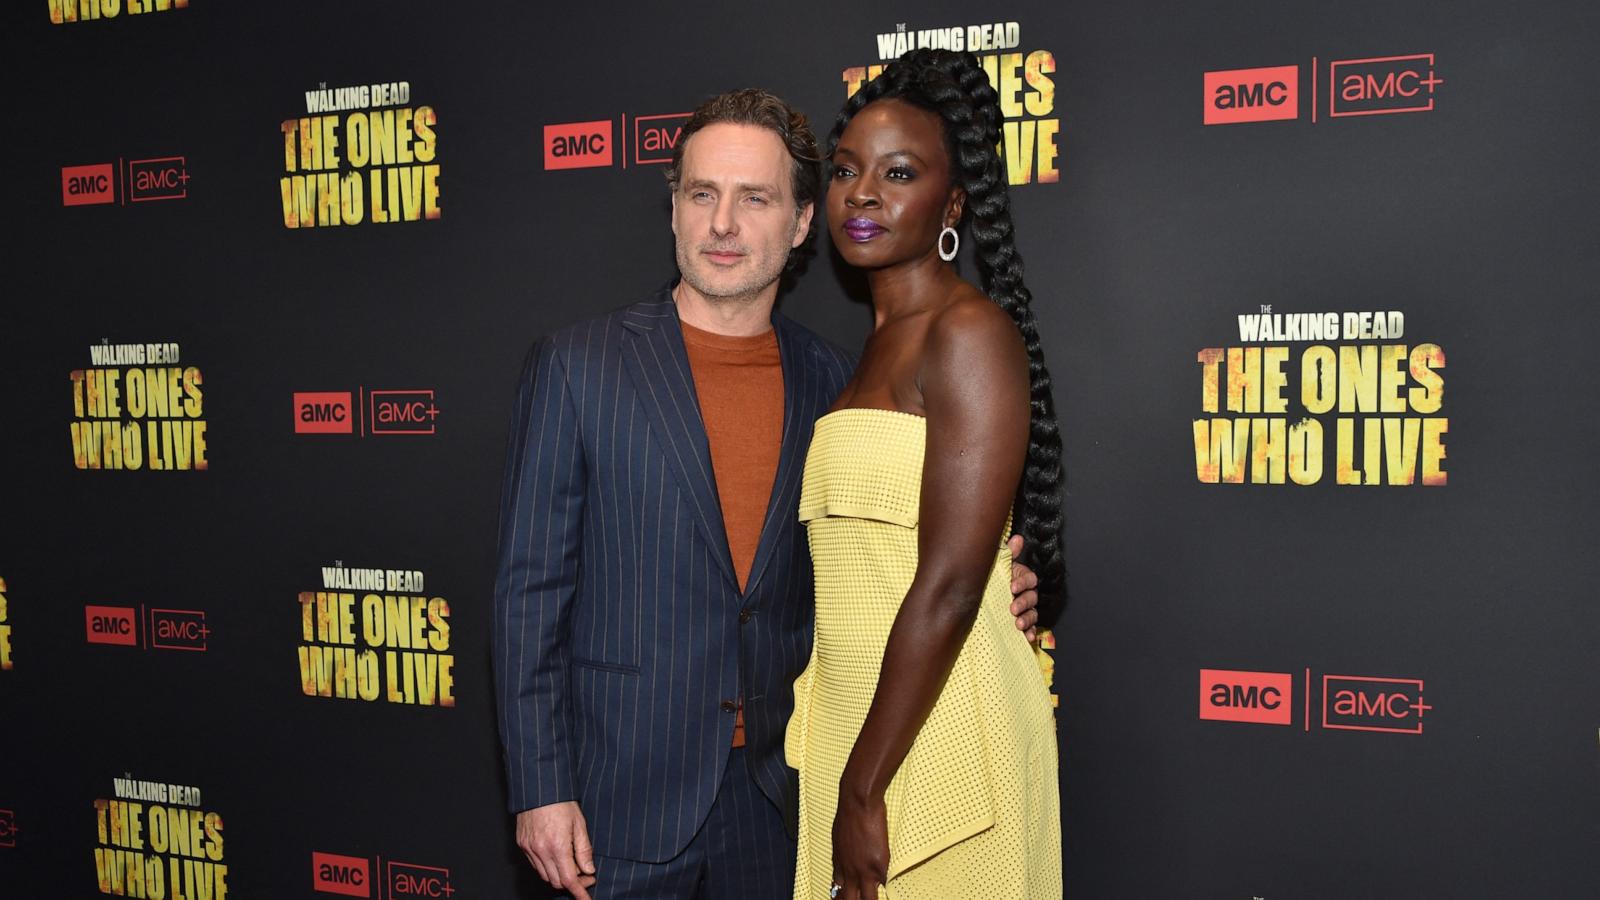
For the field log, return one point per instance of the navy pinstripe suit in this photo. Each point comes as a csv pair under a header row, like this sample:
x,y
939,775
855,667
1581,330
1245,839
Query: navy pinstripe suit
x,y
621,635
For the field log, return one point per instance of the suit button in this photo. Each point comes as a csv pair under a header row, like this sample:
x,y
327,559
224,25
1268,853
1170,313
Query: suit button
x,y
729,706
745,616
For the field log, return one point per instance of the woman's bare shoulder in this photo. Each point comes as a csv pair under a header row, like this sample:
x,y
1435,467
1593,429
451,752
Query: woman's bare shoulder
x,y
972,323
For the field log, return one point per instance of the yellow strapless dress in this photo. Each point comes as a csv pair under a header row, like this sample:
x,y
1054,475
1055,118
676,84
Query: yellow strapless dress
x,y
974,810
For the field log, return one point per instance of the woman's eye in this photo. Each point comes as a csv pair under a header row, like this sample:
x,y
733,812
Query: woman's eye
x,y
902,173
842,172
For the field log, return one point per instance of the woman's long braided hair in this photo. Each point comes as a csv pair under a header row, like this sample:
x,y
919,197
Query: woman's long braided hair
x,y
955,87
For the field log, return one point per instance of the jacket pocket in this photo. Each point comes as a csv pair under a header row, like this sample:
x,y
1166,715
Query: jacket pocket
x,y
605,666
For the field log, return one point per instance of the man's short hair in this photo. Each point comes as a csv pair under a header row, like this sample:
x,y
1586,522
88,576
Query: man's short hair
x,y
763,109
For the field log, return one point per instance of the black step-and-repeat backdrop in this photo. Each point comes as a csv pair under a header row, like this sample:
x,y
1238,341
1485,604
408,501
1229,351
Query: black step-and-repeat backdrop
x,y
1317,282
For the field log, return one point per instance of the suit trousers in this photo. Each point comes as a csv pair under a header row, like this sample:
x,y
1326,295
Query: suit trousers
x,y
741,851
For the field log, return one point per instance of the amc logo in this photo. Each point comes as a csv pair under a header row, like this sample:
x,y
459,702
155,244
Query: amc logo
x,y
386,412
167,629
1262,698
577,145
1361,703
86,185
335,874
402,412
1381,85
160,178
1252,95
110,625
8,828
407,880
656,137
166,178
323,412
178,629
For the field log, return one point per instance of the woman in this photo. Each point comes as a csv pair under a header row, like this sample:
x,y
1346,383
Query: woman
x,y
922,729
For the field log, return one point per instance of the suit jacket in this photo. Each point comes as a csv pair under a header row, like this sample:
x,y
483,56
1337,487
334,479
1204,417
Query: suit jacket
x,y
621,636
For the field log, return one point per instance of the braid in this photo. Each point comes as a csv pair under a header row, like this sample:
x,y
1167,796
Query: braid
x,y
956,87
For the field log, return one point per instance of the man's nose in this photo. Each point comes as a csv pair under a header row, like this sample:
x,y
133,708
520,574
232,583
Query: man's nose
x,y
724,221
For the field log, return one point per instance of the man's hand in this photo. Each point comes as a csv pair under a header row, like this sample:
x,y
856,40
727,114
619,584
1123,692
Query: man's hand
x,y
1025,600
556,839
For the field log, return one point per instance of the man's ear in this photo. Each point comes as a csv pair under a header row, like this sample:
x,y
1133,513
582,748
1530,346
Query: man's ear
x,y
802,224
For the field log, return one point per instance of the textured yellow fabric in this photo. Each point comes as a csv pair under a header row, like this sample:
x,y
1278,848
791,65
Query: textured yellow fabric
x,y
974,809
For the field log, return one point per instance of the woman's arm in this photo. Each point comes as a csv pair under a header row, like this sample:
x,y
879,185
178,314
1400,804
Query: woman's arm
x,y
975,392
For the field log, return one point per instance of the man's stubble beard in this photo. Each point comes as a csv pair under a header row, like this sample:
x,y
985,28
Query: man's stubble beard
x,y
744,291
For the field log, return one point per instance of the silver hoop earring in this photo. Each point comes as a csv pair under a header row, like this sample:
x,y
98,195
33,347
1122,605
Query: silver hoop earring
x,y
955,243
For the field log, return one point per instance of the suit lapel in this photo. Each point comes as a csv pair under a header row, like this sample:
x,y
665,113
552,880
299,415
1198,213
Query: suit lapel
x,y
798,419
653,351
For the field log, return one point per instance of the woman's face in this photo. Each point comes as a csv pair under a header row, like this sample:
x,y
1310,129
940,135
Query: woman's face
x,y
890,193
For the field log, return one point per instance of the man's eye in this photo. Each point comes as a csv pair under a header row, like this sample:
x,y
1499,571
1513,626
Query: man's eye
x,y
757,199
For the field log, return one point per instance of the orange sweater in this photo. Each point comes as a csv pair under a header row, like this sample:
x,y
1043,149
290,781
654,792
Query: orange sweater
x,y
739,381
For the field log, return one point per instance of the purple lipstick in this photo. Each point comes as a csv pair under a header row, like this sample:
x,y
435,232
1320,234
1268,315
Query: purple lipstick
x,y
860,230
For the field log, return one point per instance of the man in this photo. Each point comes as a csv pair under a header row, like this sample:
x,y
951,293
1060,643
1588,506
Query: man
x,y
653,600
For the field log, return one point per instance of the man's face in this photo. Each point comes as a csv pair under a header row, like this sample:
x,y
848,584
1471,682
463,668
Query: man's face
x,y
734,213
